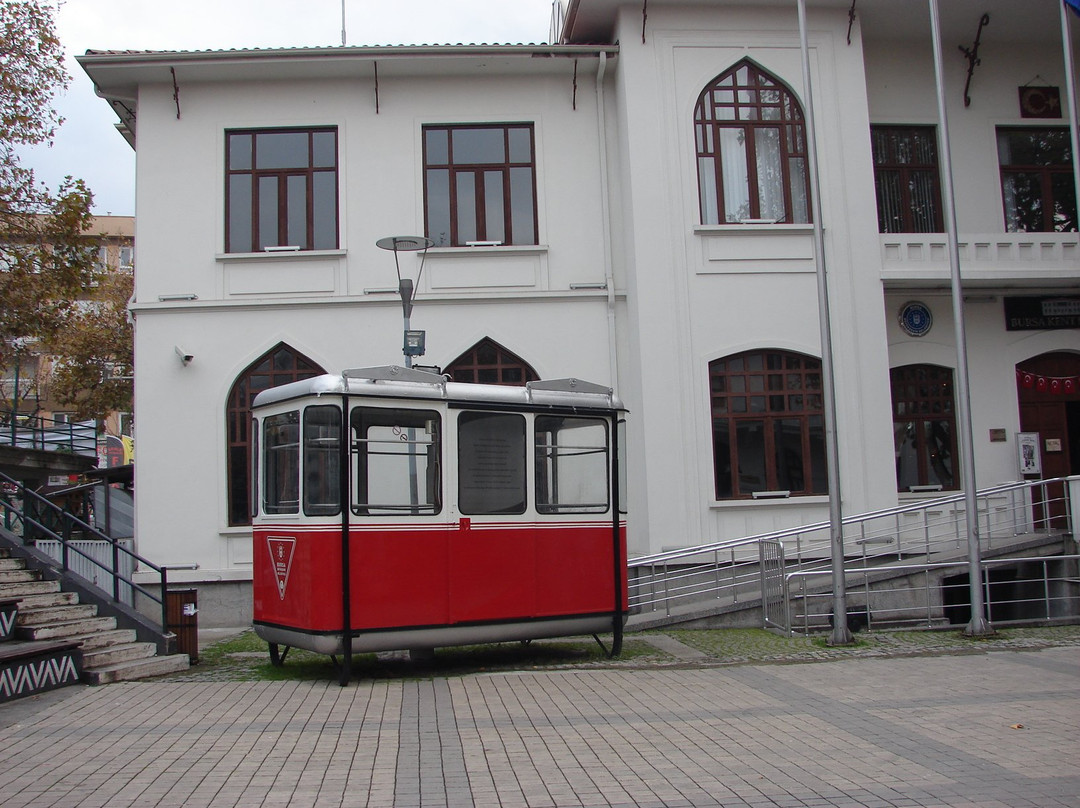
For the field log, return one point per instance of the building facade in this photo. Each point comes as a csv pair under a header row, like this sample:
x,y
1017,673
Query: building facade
x,y
630,206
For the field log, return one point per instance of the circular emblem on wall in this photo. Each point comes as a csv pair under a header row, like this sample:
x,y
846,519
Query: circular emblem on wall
x,y
915,319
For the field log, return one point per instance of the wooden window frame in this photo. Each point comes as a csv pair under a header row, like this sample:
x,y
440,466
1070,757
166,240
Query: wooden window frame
x,y
745,110
906,171
923,394
733,383
282,176
455,168
469,366
1046,173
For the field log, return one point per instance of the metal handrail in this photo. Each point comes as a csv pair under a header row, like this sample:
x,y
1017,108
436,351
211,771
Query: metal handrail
x,y
72,524
932,528
39,432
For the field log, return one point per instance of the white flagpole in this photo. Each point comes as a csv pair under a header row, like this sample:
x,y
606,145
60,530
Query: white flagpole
x,y
1070,95
978,626
841,635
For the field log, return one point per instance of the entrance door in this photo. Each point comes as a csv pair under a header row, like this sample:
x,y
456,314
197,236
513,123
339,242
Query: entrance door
x,y
1052,408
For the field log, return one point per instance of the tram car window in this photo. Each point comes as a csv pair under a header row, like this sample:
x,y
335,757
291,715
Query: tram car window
x,y
322,469
395,461
281,439
491,463
571,465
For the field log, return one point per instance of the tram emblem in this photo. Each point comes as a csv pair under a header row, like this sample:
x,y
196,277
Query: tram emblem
x,y
281,556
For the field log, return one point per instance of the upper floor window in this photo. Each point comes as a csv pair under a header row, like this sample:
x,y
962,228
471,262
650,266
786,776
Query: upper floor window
x,y
1037,185
281,190
768,424
751,150
924,427
907,179
480,184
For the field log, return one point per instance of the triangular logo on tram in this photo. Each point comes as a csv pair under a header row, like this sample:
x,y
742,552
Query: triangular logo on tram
x,y
281,556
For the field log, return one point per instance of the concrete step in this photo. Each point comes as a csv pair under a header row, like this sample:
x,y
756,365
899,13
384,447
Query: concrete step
x,y
102,639
98,658
55,614
47,600
137,669
67,629
18,590
19,576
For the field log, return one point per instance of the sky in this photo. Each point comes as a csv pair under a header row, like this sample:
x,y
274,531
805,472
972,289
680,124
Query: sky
x,y
88,146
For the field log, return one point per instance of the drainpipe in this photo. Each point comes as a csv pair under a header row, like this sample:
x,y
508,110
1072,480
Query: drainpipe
x,y
605,214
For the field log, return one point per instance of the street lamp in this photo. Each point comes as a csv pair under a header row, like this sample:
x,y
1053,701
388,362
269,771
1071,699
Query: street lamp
x,y
413,344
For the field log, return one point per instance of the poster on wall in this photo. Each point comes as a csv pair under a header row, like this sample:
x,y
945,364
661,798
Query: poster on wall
x,y
1027,447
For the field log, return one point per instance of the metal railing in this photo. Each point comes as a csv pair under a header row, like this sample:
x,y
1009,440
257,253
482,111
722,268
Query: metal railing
x,y
38,432
777,567
79,547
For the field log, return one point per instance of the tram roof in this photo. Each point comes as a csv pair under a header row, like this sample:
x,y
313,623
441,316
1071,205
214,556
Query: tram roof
x,y
406,383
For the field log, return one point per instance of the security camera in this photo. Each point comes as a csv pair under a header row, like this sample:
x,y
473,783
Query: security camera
x,y
185,357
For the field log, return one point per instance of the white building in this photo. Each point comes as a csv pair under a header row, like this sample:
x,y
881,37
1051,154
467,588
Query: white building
x,y
637,202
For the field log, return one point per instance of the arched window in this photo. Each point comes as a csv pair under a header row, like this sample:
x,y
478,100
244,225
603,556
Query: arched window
x,y
751,150
768,424
279,365
487,362
924,427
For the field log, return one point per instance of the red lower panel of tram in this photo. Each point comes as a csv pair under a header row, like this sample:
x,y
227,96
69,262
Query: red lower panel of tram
x,y
407,575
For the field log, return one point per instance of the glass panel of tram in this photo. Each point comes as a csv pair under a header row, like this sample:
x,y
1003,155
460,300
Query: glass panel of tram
x,y
571,464
395,461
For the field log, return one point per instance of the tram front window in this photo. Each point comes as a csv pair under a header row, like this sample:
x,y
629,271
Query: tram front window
x,y
395,457
281,439
571,465
322,440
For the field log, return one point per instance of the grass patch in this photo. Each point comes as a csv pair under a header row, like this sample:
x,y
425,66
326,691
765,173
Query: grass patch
x,y
245,657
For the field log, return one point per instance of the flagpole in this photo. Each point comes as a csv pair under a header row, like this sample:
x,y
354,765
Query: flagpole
x,y
841,634
978,626
1070,94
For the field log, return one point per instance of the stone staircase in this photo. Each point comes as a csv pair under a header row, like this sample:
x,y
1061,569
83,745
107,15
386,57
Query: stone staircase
x,y
48,615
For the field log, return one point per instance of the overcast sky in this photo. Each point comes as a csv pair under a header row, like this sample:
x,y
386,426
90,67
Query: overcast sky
x,y
88,145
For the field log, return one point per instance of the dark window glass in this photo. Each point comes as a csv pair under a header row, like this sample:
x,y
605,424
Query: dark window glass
x,y
491,463
281,190
281,483
322,446
277,366
487,362
767,442
924,434
1037,185
907,179
751,150
479,184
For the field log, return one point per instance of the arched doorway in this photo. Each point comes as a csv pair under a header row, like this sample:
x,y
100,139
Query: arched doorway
x,y
1048,391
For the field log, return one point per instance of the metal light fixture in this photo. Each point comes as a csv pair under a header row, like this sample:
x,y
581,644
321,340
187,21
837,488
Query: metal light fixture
x,y
414,341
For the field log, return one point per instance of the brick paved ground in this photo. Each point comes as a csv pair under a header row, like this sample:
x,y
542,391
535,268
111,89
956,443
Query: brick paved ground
x,y
994,729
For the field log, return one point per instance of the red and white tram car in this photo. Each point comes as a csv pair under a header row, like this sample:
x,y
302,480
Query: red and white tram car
x,y
395,509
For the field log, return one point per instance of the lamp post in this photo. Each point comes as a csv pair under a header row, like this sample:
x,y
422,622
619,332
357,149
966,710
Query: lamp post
x,y
413,344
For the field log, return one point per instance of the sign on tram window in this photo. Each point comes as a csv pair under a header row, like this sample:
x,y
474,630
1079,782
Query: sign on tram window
x,y
322,477
395,457
281,446
491,463
571,465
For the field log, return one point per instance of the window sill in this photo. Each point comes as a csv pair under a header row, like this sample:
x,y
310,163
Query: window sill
x,y
282,255
502,249
768,502
762,227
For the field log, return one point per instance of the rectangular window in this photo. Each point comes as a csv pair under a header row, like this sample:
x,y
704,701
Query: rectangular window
x,y
395,461
281,443
480,184
1037,188
281,189
491,463
571,465
322,444
907,179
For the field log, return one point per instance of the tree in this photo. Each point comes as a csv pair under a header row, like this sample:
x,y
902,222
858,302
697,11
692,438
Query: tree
x,y
94,353
45,263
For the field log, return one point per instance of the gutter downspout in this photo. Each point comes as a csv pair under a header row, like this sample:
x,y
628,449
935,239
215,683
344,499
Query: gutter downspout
x,y
605,212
